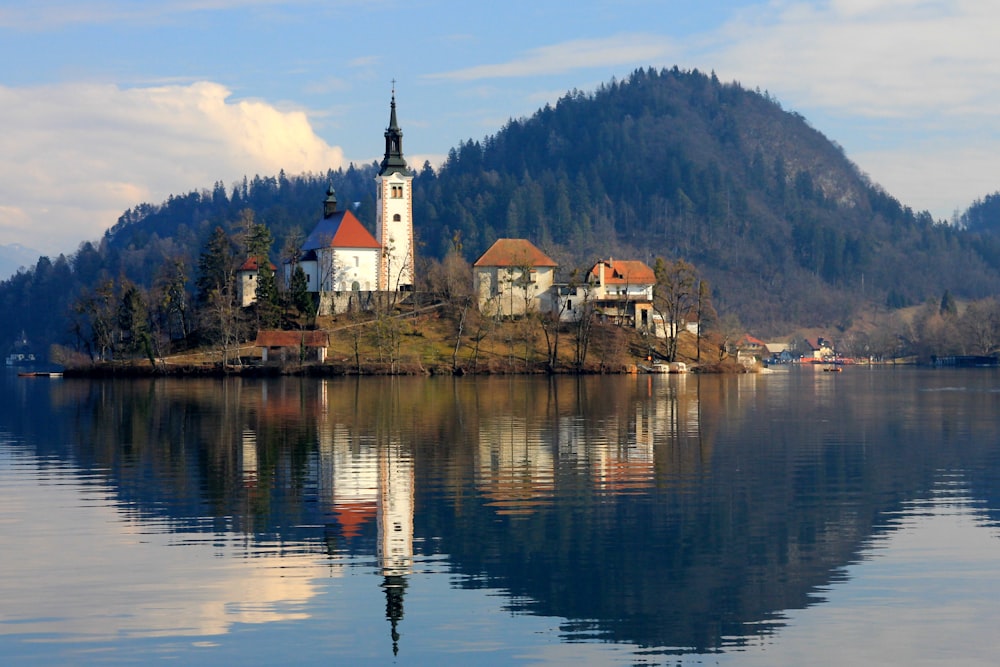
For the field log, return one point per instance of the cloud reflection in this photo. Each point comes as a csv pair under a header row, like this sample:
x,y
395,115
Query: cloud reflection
x,y
105,590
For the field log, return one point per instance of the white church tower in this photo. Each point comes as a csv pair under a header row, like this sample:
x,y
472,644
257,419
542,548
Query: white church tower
x,y
394,217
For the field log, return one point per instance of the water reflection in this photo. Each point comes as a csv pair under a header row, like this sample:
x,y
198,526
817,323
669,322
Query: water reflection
x,y
679,514
111,576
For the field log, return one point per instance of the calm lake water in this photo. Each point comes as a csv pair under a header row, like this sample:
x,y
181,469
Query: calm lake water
x,y
792,518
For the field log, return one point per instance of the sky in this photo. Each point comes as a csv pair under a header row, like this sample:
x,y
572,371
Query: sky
x,y
106,104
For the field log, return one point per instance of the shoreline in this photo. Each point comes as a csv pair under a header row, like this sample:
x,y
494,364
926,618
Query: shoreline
x,y
136,370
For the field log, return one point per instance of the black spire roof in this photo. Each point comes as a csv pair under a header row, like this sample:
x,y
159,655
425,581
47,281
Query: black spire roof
x,y
393,161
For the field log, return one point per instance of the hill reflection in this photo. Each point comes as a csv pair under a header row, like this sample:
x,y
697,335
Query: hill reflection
x,y
682,513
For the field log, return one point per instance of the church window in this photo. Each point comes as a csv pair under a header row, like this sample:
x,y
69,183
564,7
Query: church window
x,y
397,217
397,191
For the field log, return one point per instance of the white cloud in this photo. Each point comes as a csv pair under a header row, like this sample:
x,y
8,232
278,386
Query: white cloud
x,y
909,79
879,58
939,177
78,155
614,51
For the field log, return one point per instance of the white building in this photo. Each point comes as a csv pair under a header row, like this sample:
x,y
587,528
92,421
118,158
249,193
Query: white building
x,y
340,256
621,290
394,212
342,261
514,277
247,277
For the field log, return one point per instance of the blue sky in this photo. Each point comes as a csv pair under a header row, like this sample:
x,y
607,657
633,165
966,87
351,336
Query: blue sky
x,y
108,103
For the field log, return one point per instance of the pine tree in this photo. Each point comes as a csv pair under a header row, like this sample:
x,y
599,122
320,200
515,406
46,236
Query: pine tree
x,y
216,270
301,298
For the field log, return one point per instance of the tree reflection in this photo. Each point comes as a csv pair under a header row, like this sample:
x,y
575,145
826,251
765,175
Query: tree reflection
x,y
673,512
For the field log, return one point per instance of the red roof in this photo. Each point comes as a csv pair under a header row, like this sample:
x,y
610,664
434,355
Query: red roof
x,y
271,338
816,344
514,252
747,339
624,272
340,230
352,516
252,265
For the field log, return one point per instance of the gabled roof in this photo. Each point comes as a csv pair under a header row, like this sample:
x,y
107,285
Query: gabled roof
x,y
252,265
817,344
340,230
749,341
514,252
624,272
274,338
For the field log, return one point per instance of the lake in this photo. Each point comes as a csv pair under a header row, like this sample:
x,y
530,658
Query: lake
x,y
795,517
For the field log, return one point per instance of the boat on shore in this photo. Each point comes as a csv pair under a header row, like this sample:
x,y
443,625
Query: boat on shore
x,y
40,374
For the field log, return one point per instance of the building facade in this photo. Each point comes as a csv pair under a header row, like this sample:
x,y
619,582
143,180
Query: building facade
x,y
340,256
513,277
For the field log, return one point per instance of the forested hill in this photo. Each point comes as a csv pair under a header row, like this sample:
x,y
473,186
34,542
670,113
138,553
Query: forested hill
x,y
677,164
666,163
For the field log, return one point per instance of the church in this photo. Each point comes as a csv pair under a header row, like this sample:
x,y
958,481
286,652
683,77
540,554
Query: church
x,y
343,262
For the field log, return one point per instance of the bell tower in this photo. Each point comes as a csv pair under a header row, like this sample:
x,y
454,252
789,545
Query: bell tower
x,y
394,211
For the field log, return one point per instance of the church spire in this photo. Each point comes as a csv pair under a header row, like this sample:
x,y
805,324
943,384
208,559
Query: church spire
x,y
393,161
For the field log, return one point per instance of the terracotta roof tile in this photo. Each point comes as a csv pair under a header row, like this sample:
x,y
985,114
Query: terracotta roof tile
x,y
272,338
747,339
252,265
341,230
625,272
514,252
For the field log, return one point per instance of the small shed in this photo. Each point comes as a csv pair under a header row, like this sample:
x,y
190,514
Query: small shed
x,y
283,346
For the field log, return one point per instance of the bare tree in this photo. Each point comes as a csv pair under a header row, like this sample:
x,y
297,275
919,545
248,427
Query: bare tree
x,y
980,326
674,296
583,328
730,329
706,312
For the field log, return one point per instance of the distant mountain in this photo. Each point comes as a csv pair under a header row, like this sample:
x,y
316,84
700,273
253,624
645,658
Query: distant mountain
x,y
15,256
667,163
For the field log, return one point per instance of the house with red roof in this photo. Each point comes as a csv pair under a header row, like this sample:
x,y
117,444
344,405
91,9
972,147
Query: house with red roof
x,y
340,255
750,350
283,346
247,277
513,277
818,349
622,289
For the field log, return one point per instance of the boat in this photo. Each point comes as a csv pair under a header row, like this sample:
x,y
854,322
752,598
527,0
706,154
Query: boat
x,y
40,374
832,369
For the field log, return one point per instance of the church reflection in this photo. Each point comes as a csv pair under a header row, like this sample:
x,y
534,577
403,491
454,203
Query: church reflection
x,y
395,529
365,465
518,454
366,476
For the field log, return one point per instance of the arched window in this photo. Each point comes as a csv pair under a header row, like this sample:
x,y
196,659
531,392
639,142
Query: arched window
x,y
396,217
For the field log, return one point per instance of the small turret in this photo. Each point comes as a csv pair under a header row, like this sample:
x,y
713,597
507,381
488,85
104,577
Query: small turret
x,y
330,203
